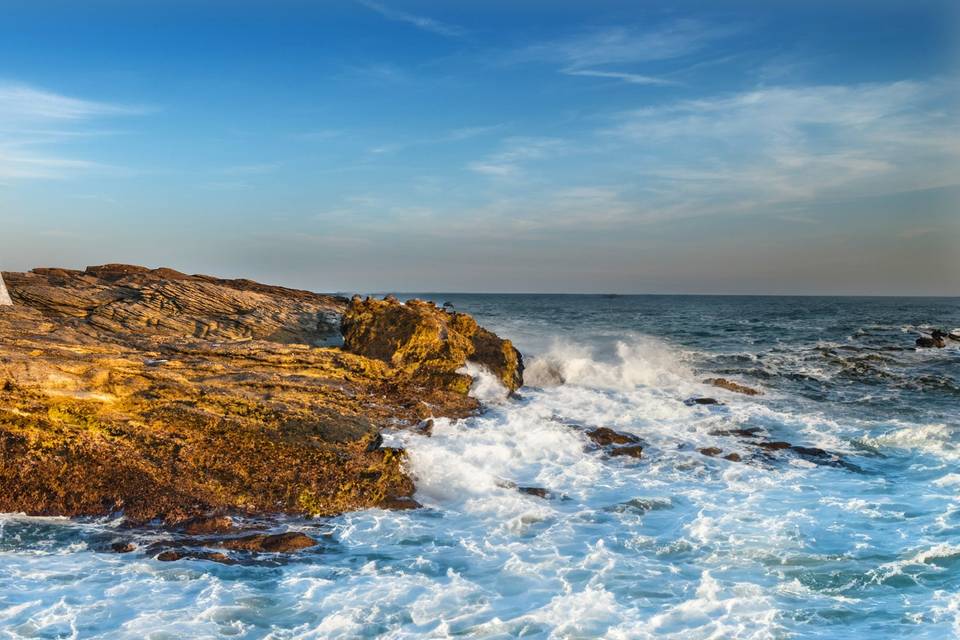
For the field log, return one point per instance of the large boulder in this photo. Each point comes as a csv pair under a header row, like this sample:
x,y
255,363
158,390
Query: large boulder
x,y
427,343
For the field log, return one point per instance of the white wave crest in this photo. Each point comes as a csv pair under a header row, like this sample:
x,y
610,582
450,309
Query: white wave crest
x,y
937,439
642,361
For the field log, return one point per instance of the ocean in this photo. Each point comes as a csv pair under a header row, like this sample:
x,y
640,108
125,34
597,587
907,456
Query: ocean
x,y
850,529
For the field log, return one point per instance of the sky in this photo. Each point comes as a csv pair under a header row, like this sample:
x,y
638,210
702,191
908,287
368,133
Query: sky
x,y
538,146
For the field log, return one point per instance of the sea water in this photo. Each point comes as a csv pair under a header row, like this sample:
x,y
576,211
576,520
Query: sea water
x,y
676,544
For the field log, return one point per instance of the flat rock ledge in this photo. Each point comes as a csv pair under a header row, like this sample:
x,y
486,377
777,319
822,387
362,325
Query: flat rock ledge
x,y
167,397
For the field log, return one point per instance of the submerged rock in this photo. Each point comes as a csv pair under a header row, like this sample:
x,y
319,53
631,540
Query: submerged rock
x,y
705,401
931,342
169,397
538,492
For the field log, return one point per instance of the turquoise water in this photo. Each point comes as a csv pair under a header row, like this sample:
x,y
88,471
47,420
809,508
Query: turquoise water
x,y
862,540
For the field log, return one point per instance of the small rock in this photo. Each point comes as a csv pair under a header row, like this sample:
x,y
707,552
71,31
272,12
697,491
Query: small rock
x,y
710,452
539,492
736,387
213,556
929,343
752,432
693,401
604,437
810,452
773,446
123,547
633,451
276,543
424,428
205,525
732,457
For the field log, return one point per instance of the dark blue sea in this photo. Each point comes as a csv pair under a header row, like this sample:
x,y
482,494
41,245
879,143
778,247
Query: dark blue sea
x,y
837,517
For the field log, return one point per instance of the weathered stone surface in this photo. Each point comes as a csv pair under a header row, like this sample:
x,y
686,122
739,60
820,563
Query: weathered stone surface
x,y
735,387
926,342
165,396
427,342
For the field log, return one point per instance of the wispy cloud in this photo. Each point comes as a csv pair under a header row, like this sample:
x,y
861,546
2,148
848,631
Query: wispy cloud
x,y
420,22
604,52
783,144
34,122
515,152
630,78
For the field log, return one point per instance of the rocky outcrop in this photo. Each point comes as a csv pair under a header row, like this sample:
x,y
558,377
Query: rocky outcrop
x,y
429,344
124,299
170,397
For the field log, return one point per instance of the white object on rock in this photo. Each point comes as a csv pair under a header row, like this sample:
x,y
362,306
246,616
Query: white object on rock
x,y
4,295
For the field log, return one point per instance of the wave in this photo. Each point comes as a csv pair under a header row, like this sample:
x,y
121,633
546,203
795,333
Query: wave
x,y
940,440
641,361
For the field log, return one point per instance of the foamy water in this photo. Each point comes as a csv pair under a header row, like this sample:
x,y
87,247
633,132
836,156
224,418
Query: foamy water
x,y
673,545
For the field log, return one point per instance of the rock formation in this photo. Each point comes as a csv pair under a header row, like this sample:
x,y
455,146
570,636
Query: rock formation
x,y
167,397
428,343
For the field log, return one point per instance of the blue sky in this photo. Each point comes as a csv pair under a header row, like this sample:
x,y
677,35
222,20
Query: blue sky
x,y
715,147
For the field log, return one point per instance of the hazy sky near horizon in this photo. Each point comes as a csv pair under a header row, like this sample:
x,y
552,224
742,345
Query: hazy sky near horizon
x,y
410,145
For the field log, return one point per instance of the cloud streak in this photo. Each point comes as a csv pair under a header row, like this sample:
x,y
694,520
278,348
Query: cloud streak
x,y
420,22
604,52
34,122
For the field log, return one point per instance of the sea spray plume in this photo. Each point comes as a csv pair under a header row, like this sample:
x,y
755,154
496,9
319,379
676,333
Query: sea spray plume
x,y
641,360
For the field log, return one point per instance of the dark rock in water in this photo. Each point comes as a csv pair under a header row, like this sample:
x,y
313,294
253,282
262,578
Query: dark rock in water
x,y
276,543
710,452
752,432
213,556
604,436
930,343
424,428
937,333
539,492
123,547
732,457
399,503
810,452
736,387
694,401
206,525
632,451
773,446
